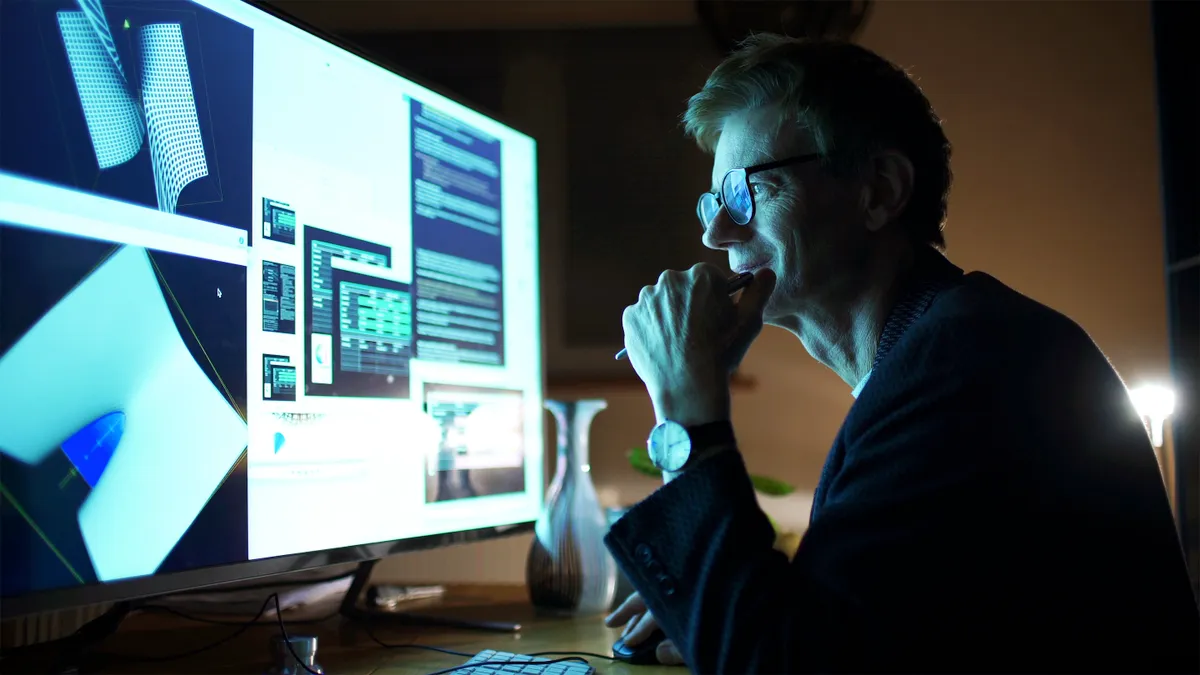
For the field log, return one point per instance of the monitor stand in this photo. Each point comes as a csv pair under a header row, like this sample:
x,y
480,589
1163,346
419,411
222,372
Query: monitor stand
x,y
351,610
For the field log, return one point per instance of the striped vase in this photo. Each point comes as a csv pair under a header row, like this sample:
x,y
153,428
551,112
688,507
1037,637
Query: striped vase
x,y
569,570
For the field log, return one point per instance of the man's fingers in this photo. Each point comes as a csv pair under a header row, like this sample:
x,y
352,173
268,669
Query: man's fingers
x,y
633,606
630,625
668,654
643,629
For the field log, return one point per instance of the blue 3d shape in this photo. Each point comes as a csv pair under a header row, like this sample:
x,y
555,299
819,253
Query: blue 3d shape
x,y
92,446
112,345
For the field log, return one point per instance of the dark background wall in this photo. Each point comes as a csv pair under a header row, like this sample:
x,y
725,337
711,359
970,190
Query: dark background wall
x,y
1178,72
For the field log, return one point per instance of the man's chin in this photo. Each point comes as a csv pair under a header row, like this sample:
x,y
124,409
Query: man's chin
x,y
772,316
779,311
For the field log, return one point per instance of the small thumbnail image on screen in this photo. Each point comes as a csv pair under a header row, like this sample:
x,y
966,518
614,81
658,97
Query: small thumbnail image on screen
x,y
279,298
279,378
124,99
359,327
278,221
482,446
122,431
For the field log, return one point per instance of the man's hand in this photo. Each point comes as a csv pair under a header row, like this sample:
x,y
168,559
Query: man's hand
x,y
640,624
686,336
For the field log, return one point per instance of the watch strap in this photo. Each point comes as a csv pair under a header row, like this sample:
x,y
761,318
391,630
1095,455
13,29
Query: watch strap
x,y
711,434
709,439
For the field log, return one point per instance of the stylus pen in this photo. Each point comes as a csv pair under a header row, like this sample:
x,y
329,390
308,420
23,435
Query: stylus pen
x,y
735,284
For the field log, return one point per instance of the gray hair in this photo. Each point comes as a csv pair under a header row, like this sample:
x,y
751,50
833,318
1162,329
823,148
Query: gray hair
x,y
853,102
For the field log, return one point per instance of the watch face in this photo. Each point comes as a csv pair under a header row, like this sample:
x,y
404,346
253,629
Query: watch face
x,y
669,446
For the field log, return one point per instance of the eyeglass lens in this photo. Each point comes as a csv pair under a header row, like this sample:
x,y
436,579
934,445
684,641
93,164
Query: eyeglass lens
x,y
735,197
707,208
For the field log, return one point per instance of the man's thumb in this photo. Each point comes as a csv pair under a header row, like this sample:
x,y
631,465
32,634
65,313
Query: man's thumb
x,y
754,299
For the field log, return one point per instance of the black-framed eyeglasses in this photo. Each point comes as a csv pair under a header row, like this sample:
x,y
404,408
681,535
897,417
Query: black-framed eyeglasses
x,y
735,194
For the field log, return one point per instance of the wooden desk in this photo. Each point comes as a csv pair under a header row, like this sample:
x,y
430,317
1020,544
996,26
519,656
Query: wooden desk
x,y
344,647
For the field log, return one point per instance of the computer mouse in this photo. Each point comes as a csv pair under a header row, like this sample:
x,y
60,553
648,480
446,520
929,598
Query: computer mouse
x,y
641,654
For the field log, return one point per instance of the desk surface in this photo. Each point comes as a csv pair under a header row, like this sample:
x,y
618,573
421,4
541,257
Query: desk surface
x,y
345,648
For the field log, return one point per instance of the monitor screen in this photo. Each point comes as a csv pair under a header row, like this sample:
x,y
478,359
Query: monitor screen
x,y
260,297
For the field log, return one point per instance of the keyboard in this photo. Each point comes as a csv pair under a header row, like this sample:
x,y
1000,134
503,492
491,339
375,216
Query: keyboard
x,y
491,662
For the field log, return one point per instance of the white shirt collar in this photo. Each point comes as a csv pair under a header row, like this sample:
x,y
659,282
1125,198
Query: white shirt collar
x,y
861,383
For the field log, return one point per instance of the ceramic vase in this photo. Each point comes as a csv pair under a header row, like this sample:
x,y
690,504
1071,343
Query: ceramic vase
x,y
569,571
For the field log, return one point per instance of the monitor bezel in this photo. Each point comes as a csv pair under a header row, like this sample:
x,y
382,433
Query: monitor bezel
x,y
51,600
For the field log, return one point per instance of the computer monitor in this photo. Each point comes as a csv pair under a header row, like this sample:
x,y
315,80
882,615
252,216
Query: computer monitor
x,y
265,304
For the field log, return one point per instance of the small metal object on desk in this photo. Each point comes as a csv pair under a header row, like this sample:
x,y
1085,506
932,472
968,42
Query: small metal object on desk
x,y
284,663
386,596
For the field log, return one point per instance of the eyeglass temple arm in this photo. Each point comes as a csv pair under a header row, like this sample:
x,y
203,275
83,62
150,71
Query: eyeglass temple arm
x,y
782,162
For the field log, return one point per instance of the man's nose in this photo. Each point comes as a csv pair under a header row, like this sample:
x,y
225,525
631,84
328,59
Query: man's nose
x,y
721,232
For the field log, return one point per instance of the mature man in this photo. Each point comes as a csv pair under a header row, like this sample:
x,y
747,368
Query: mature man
x,y
991,502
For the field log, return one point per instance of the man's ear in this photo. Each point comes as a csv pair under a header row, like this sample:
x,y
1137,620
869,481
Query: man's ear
x,y
888,185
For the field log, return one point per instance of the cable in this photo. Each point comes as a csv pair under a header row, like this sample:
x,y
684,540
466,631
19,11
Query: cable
x,y
409,645
287,640
366,626
590,655
243,626
199,650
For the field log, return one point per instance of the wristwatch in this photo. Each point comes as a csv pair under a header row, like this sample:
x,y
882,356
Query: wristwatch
x,y
674,447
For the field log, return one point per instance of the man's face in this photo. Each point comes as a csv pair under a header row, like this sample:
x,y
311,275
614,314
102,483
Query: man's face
x,y
807,227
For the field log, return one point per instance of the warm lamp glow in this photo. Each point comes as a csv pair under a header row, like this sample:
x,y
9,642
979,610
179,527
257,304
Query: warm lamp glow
x,y
1154,403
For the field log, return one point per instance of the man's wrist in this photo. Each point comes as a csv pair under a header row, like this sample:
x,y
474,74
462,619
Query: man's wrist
x,y
693,405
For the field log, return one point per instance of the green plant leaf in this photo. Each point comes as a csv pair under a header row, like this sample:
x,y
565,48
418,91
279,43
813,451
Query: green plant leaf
x,y
639,459
771,487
